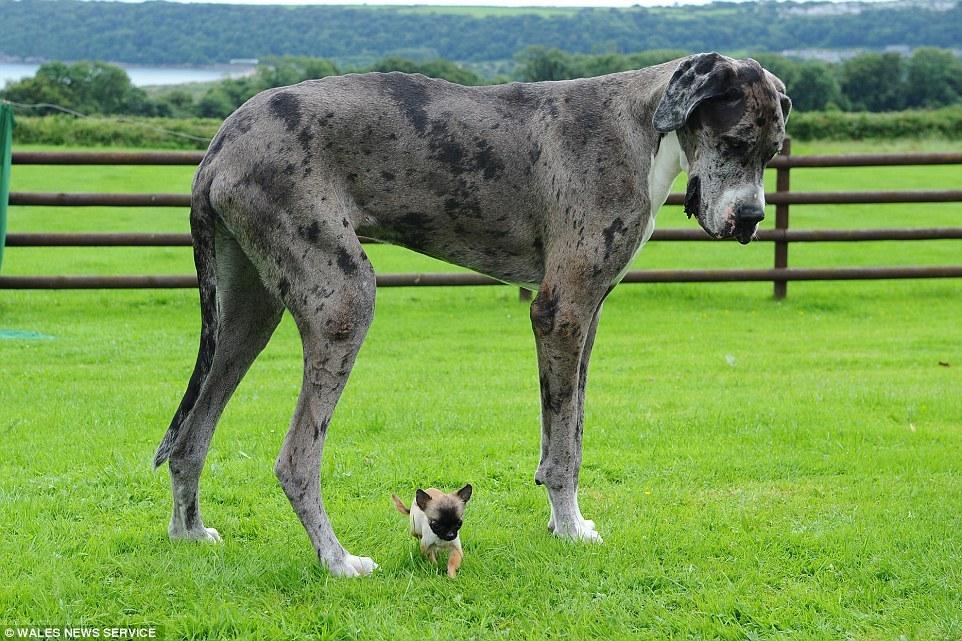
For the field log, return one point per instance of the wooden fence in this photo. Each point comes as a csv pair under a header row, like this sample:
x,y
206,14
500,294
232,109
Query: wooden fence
x,y
782,236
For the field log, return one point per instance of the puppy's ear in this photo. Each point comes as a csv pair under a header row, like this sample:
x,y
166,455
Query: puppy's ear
x,y
697,79
465,493
422,498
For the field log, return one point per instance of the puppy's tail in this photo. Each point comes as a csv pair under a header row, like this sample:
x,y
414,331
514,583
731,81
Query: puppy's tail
x,y
399,504
202,221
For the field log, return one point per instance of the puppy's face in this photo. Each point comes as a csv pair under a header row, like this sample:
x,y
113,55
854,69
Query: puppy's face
x,y
444,512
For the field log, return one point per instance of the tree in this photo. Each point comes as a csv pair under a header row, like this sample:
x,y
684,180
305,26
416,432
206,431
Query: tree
x,y
540,63
280,71
437,68
815,88
934,79
874,82
88,87
215,104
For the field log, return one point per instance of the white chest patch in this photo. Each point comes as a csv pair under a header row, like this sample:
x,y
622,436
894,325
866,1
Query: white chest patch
x,y
665,167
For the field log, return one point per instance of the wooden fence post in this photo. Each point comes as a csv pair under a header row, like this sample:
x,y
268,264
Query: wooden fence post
x,y
782,184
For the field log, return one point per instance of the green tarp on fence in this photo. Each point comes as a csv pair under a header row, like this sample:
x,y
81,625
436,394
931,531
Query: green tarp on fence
x,y
6,144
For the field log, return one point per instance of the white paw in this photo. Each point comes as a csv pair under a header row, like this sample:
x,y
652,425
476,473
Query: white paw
x,y
208,534
212,535
579,530
352,566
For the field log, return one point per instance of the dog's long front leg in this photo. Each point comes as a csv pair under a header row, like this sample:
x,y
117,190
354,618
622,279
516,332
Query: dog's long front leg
x,y
564,331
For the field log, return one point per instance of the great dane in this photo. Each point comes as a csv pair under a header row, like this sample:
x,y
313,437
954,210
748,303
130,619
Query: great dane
x,y
550,185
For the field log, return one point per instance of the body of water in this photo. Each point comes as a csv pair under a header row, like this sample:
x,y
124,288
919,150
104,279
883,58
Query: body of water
x,y
139,75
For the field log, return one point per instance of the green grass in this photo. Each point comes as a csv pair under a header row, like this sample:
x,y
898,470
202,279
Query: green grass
x,y
759,469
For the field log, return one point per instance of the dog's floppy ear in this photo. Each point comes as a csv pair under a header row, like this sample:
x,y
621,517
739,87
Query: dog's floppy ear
x,y
698,78
422,498
783,99
465,493
786,103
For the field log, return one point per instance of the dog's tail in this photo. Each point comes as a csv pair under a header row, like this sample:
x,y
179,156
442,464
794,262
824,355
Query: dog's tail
x,y
399,504
202,221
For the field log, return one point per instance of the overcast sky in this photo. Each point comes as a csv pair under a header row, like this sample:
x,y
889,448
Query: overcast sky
x,y
480,3
474,3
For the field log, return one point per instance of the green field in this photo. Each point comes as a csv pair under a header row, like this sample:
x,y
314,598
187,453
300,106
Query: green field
x,y
758,469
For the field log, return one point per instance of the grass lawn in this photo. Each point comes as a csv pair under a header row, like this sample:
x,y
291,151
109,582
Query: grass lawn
x,y
758,469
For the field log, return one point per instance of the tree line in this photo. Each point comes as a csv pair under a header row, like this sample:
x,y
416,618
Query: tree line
x,y
928,78
179,33
874,82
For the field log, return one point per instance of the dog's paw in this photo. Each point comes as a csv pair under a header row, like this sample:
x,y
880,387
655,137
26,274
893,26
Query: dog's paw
x,y
578,530
208,534
351,566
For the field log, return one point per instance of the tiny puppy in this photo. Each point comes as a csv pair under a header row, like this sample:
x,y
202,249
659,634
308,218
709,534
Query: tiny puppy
x,y
435,521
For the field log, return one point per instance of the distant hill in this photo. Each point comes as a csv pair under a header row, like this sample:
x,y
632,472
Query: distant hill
x,y
173,33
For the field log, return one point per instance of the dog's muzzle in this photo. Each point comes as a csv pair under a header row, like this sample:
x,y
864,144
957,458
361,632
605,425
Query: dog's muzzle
x,y
747,218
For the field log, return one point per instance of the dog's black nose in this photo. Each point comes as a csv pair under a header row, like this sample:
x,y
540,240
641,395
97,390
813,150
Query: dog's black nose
x,y
746,214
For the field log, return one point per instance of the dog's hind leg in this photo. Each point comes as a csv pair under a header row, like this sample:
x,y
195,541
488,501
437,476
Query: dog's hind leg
x,y
325,280
247,316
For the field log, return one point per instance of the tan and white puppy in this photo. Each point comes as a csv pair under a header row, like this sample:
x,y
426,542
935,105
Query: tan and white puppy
x,y
436,522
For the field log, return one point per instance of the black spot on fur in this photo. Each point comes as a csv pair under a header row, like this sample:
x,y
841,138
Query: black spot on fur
x,y
550,401
736,148
693,196
616,227
287,107
321,429
487,162
706,63
411,97
311,233
346,262
283,286
749,73
450,153
386,175
544,309
538,247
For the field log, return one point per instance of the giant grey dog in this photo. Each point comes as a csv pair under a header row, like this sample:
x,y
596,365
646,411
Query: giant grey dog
x,y
551,185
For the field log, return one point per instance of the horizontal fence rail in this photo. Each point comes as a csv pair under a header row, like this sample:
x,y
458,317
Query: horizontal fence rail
x,y
471,279
782,236
765,235
82,199
783,161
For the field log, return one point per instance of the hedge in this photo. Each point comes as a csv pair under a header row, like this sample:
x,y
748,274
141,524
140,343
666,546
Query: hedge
x,y
156,133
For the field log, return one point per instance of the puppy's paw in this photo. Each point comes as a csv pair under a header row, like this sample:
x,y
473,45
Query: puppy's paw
x,y
351,566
